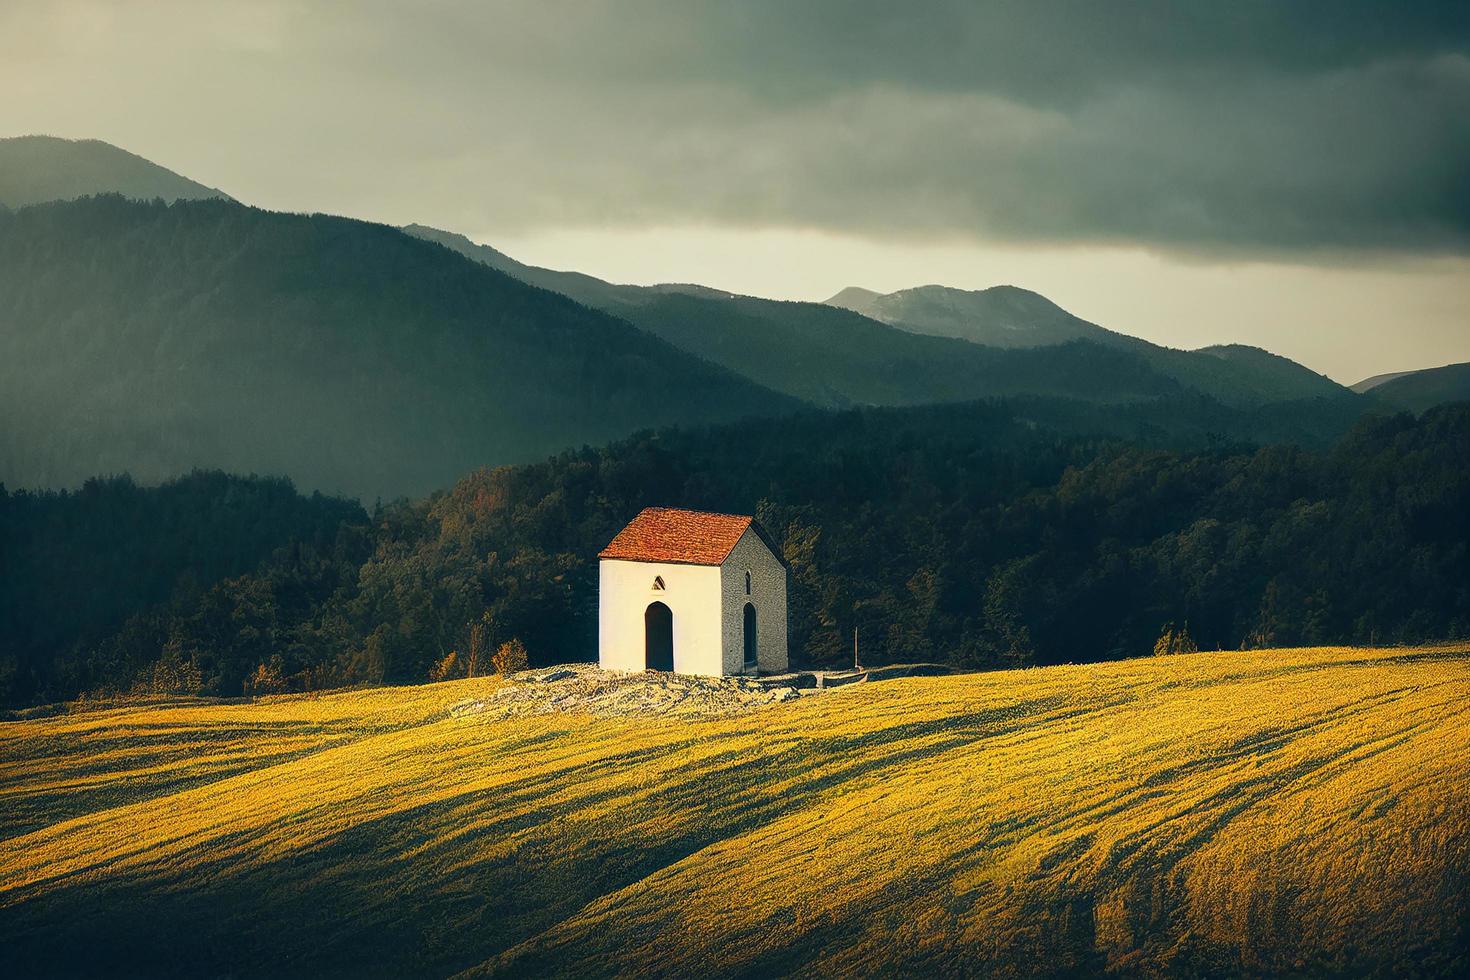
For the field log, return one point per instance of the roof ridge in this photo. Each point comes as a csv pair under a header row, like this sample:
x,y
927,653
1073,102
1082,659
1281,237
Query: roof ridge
x,y
691,510
678,535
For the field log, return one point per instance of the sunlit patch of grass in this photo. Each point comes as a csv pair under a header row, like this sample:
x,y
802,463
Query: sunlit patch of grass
x,y
1268,811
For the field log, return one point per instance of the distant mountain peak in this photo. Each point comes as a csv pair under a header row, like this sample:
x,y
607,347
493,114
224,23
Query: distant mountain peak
x,y
1014,317
1368,384
999,316
439,234
1418,391
460,243
845,351
934,291
583,288
348,355
37,169
853,296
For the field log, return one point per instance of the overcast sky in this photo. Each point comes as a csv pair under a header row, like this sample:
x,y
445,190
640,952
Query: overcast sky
x,y
1292,175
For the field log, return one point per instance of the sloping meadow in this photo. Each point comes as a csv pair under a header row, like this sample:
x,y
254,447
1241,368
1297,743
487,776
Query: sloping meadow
x,y
1268,811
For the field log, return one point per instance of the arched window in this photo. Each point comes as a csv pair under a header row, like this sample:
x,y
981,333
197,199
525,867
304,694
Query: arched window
x,y
747,583
658,583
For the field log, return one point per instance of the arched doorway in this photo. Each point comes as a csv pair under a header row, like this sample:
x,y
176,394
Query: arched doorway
x,y
658,637
750,642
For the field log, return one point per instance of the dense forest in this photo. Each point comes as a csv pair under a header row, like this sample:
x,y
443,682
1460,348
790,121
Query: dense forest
x,y
972,534
93,582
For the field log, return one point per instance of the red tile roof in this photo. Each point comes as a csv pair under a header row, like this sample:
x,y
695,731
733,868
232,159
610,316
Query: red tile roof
x,y
688,537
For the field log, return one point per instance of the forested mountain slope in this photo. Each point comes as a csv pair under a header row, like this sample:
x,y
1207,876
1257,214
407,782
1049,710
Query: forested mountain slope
x,y
1368,384
1417,391
34,169
1007,316
833,357
154,339
1001,316
999,342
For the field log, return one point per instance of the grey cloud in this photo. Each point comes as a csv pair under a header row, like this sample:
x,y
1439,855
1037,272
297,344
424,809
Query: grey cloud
x,y
1248,127
1372,158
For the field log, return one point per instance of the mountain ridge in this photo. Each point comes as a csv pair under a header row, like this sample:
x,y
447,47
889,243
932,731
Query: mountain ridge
x,y
1369,383
997,316
835,361
830,357
157,338
1017,318
36,169
1417,391
834,356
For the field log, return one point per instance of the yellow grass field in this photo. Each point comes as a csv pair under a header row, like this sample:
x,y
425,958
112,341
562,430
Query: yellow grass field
x,y
1292,811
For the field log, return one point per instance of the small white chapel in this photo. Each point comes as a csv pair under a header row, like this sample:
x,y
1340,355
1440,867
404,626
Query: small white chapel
x,y
693,593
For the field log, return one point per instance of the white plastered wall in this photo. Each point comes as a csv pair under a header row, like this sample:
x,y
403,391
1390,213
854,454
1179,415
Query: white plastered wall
x,y
767,594
692,593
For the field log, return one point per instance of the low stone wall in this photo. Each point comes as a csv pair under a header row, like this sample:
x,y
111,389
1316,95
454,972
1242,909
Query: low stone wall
x,y
585,688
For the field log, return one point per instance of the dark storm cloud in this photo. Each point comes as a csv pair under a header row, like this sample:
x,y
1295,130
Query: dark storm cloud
x,y
1054,51
1223,126
1279,126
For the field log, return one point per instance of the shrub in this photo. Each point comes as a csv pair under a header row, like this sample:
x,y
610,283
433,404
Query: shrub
x,y
1171,641
445,669
511,657
172,675
321,677
267,679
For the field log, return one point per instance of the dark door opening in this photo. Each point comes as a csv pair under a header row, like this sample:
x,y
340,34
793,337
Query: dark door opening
x,y
750,648
658,637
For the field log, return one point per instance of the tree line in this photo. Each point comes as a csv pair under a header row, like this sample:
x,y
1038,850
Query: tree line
x,y
964,534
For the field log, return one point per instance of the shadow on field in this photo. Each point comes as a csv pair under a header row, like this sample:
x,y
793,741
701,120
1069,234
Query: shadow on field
x,y
536,870
448,884
173,752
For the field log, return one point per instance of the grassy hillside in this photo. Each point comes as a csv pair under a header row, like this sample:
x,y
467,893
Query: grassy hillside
x,y
44,168
351,357
1295,811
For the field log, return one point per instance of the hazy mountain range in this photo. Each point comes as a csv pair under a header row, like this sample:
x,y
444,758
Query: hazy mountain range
x,y
831,355
1416,391
1001,316
35,169
154,338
